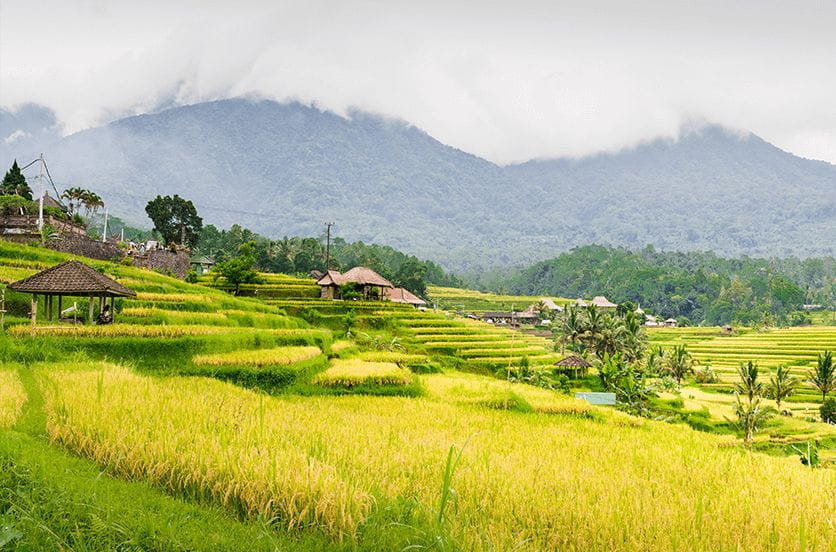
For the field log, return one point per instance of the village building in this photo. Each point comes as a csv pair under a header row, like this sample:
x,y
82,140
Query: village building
x,y
401,295
369,283
549,303
512,318
202,264
603,303
574,365
74,279
671,322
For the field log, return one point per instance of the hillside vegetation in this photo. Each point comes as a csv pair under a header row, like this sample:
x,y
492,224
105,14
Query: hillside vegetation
x,y
288,168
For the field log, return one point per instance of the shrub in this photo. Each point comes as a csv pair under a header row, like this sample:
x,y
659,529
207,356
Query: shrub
x,y
706,375
828,411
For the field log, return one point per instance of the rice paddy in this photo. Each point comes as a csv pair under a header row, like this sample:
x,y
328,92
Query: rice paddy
x,y
314,448
350,373
567,483
12,397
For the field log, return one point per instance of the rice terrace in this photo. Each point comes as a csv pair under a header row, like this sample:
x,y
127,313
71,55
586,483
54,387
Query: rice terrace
x,y
417,277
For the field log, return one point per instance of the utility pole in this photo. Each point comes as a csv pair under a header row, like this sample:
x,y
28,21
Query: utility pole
x,y
104,231
41,199
328,226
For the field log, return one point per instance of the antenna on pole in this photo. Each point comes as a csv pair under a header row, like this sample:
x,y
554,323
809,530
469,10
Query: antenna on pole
x,y
41,199
328,226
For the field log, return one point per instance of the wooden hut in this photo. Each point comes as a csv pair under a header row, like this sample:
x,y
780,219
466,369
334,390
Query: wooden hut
x,y
371,284
74,279
575,365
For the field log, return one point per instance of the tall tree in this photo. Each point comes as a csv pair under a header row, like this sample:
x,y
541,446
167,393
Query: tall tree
x,y
678,363
176,219
14,183
748,384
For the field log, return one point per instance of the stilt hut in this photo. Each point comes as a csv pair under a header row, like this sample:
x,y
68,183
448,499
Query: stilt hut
x,y
575,365
71,279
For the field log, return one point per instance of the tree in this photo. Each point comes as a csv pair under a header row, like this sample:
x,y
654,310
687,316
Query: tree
x,y
14,183
781,385
751,417
410,275
748,384
91,201
239,270
572,328
175,219
74,197
678,363
823,375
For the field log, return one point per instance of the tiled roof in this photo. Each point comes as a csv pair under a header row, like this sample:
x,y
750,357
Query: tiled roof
x,y
71,278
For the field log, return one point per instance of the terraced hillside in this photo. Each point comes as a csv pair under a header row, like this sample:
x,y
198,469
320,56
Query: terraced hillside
x,y
203,421
468,300
796,348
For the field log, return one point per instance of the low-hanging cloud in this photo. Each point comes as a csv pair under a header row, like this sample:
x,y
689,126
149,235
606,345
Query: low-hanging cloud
x,y
507,82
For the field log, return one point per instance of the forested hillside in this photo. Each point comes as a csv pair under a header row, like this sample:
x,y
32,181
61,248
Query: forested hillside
x,y
284,169
700,287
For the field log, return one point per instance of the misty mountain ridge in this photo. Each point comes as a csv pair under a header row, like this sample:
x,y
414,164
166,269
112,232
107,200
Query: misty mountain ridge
x,y
285,168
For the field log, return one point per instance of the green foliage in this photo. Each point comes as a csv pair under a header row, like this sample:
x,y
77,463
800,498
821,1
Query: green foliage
x,y
749,386
699,287
175,219
678,363
16,205
823,376
782,385
751,416
239,270
828,411
14,183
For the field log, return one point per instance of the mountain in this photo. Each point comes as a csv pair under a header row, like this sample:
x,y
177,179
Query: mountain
x,y
285,169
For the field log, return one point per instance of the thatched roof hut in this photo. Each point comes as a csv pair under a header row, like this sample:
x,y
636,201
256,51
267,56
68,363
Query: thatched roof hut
x,y
602,302
401,295
574,364
370,282
70,278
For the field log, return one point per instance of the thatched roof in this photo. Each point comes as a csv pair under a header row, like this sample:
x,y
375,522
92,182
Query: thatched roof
x,y
573,361
401,295
550,304
602,302
71,278
358,275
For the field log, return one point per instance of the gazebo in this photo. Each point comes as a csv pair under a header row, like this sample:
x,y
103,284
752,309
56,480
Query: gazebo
x,y
574,364
70,278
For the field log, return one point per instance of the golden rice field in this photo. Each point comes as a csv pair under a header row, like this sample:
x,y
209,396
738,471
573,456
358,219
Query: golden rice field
x,y
525,481
115,330
259,357
391,356
796,348
12,397
353,372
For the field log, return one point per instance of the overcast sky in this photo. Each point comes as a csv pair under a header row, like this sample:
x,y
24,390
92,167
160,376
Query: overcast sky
x,y
508,81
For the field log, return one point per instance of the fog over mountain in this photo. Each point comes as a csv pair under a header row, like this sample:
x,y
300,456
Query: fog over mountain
x,y
285,169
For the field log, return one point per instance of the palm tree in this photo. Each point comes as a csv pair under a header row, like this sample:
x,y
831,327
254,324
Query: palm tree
x,y
572,327
595,324
748,384
679,363
91,201
73,197
823,375
782,385
751,417
655,361
634,337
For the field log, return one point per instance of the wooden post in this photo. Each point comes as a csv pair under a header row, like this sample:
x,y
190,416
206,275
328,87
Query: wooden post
x,y
60,297
34,309
92,319
49,308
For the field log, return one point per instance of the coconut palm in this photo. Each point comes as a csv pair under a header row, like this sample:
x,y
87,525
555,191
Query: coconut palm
x,y
73,197
751,417
678,363
748,384
782,385
572,327
823,375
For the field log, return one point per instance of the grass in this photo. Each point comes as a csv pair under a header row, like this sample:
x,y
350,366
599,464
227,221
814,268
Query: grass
x,y
347,466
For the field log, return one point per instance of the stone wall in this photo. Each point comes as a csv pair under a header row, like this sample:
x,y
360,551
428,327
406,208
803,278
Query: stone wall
x,y
164,261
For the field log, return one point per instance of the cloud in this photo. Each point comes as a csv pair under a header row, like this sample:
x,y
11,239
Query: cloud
x,y
15,136
508,81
